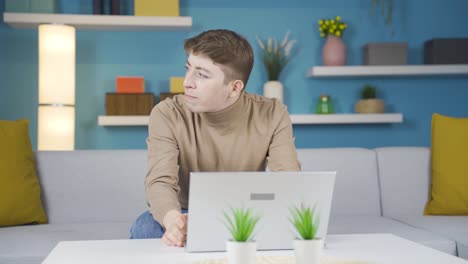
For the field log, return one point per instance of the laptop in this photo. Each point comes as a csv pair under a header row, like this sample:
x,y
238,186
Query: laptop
x,y
269,194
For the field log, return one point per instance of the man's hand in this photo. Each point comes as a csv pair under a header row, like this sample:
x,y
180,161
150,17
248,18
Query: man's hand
x,y
176,230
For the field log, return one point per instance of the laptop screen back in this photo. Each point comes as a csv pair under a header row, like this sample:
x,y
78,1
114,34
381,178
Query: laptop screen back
x,y
269,194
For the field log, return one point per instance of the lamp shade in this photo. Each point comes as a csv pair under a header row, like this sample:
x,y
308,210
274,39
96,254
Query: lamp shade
x,y
56,113
56,64
56,128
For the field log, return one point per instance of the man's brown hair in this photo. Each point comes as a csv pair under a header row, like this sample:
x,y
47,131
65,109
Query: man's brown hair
x,y
227,48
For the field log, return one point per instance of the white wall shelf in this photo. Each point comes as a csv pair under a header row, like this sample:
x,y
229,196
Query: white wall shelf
x,y
398,70
346,119
98,22
306,119
123,120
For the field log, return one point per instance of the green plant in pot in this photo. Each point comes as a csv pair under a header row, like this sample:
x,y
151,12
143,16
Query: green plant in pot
x,y
369,104
241,223
307,247
275,56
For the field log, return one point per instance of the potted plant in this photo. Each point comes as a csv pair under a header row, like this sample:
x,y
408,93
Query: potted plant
x,y
369,103
241,248
275,56
334,50
307,247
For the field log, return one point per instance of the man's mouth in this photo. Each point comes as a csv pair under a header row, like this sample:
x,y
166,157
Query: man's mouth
x,y
190,96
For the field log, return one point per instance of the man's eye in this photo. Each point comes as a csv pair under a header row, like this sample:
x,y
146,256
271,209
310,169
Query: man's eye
x,y
201,75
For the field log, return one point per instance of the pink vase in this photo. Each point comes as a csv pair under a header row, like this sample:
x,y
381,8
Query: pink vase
x,y
334,52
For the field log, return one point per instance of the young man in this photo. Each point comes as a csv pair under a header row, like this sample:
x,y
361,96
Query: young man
x,y
214,126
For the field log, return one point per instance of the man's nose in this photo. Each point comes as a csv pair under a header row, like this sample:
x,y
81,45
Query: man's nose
x,y
188,82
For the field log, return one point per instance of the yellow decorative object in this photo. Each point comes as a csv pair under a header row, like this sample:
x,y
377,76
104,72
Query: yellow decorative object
x,y
20,193
449,166
334,27
156,7
177,85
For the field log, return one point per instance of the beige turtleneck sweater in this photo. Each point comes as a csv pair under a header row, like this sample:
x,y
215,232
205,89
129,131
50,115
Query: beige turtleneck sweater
x,y
242,137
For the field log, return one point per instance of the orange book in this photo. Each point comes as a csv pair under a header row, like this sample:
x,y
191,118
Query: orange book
x,y
130,84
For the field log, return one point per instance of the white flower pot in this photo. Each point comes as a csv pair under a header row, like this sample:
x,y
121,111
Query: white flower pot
x,y
241,252
273,89
308,251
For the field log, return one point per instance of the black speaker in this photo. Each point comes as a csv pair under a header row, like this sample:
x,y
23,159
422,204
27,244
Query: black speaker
x,y
446,51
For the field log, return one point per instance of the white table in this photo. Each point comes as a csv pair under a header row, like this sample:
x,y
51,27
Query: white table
x,y
373,248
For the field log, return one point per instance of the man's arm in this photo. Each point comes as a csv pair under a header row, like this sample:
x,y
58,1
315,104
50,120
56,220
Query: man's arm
x,y
161,182
282,155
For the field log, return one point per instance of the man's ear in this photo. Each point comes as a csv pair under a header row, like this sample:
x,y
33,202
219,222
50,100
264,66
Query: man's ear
x,y
237,87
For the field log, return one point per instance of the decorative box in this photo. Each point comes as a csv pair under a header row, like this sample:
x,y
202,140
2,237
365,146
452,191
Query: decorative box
x,y
446,51
31,6
177,85
385,53
130,84
156,7
129,104
43,6
19,6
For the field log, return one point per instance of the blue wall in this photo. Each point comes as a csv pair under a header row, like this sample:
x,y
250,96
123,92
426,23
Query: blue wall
x,y
158,55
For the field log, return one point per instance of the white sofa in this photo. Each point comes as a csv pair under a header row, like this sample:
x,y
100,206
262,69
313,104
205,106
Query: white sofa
x,y
404,175
96,194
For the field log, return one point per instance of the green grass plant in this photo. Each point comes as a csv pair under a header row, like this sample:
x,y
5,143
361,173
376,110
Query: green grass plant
x,y
241,223
305,220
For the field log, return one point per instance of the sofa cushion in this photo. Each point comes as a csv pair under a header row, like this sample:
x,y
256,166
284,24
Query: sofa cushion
x,y
93,185
453,227
20,193
356,187
376,224
449,166
404,180
31,244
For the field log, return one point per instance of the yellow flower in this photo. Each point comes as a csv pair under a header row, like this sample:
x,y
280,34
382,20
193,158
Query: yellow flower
x,y
334,26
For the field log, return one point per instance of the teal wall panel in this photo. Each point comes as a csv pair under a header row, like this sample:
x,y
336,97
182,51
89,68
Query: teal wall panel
x,y
103,55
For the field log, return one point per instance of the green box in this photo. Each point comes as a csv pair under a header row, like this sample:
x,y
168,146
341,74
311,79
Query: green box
x,y
17,6
43,6
31,6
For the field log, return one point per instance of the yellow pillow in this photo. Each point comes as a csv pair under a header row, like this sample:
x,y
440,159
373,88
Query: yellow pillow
x,y
449,150
20,200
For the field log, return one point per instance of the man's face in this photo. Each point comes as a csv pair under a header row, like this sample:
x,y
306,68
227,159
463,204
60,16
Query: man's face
x,y
205,90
